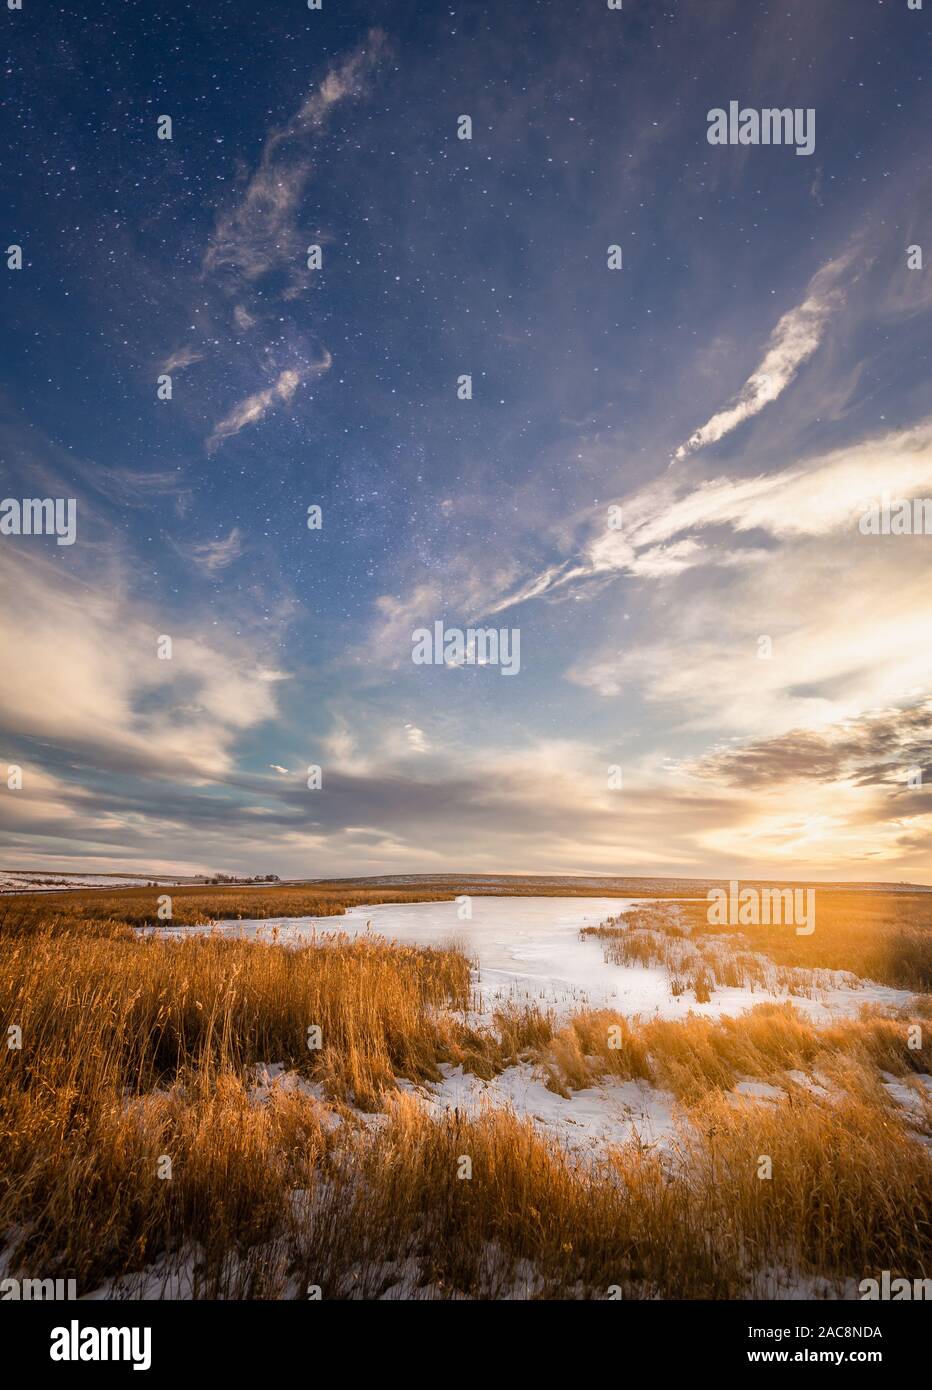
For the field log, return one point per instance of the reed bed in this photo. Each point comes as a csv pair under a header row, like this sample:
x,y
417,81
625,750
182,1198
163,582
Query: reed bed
x,y
885,937
266,1201
191,906
135,1138
695,1056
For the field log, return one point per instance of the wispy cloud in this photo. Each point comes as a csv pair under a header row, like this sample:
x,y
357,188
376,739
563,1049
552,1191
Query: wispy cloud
x,y
658,534
260,232
88,677
212,556
793,341
651,540
696,661
260,403
179,359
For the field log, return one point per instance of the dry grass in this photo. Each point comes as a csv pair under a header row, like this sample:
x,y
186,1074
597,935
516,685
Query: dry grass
x,y
849,1195
519,885
877,936
696,1056
82,1190
651,936
100,1013
199,905
136,1049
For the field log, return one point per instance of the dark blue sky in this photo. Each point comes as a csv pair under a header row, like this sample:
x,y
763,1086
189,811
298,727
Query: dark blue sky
x,y
337,387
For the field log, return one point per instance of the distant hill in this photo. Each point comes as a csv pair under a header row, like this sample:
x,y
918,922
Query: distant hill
x,y
597,883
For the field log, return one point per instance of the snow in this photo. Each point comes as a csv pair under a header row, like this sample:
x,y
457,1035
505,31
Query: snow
x,y
909,1093
13,881
529,951
913,1097
813,1084
783,1285
758,1090
609,1113
273,1076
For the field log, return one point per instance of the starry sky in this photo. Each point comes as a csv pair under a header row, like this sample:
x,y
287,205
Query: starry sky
x,y
753,377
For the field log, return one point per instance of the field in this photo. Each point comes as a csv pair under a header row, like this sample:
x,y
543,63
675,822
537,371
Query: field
x,y
208,1117
874,936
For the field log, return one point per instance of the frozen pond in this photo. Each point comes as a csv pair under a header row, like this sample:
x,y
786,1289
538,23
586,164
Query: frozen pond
x,y
528,950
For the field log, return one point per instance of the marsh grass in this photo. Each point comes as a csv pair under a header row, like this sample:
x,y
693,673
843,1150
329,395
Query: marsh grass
x,y
387,1208
137,1049
135,1013
695,1056
116,909
879,936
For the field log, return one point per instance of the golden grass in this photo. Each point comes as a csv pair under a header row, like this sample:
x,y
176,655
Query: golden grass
x,y
696,963
98,1013
518,885
877,936
197,905
695,1056
849,1195
85,1192
135,1049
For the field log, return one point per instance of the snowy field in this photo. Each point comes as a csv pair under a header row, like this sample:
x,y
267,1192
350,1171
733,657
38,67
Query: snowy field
x,y
529,951
23,881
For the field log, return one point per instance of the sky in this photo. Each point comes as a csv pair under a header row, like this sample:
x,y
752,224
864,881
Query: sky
x,y
657,487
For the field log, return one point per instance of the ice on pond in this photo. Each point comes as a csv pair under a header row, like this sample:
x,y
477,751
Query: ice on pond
x,y
528,950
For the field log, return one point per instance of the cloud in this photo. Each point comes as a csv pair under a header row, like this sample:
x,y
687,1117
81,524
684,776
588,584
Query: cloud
x,y
417,739
255,407
696,661
827,495
794,340
656,514
361,747
533,804
877,748
341,747
129,487
179,359
693,664
212,556
87,677
260,232
658,533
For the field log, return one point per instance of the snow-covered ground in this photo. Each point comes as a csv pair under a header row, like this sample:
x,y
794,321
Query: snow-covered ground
x,y
610,1113
529,951
16,881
